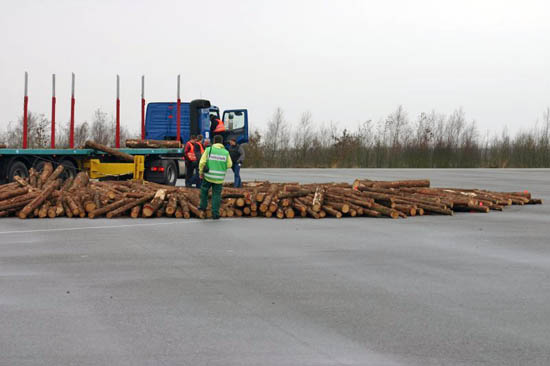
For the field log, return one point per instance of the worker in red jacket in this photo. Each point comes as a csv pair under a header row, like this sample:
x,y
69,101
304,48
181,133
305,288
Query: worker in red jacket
x,y
217,127
191,161
199,150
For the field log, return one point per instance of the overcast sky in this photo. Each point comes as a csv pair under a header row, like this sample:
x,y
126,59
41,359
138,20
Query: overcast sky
x,y
345,61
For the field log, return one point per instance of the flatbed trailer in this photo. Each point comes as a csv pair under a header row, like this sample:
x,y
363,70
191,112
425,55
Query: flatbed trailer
x,y
162,121
156,165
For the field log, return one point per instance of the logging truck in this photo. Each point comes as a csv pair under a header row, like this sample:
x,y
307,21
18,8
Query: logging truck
x,y
161,165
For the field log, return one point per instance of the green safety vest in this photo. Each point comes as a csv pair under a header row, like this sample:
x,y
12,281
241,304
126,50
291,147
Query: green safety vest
x,y
217,165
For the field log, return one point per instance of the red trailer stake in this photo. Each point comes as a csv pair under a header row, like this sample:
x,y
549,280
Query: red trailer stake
x,y
71,133
53,113
25,109
178,124
143,107
117,133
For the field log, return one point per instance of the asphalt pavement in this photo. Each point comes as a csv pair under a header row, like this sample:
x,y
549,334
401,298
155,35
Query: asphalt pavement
x,y
473,289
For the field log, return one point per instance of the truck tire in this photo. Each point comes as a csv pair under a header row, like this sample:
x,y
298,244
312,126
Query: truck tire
x,y
17,168
69,169
38,164
170,173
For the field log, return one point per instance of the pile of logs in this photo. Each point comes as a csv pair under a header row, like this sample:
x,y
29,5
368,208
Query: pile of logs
x,y
43,194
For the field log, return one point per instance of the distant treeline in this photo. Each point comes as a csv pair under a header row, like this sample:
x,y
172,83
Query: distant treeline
x,y
432,140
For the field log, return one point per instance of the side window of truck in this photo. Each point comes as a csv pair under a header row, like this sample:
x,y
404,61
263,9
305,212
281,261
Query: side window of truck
x,y
234,121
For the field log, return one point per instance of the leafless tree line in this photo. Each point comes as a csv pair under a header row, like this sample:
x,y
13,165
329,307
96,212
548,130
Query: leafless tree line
x,y
432,140
101,130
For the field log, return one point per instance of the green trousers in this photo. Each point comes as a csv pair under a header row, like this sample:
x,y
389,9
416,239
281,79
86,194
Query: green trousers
x,y
216,196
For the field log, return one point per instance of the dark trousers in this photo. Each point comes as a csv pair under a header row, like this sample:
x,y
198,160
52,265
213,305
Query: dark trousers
x,y
191,172
237,172
216,196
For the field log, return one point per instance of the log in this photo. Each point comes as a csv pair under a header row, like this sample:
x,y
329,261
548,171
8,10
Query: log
x,y
100,211
71,203
198,213
33,177
299,193
340,206
55,174
392,184
312,213
81,180
389,212
66,208
135,212
150,208
130,206
67,184
13,193
408,210
31,206
318,197
59,209
113,152
89,206
289,213
332,212
153,144
43,212
172,205
162,209
46,172
22,182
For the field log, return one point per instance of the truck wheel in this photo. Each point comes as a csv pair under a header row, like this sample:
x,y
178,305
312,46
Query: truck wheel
x,y
69,169
17,168
38,165
170,174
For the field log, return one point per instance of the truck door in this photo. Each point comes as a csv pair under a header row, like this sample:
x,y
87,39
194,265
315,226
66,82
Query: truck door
x,y
236,124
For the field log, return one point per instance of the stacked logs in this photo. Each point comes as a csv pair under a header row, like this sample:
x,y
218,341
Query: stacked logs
x,y
43,194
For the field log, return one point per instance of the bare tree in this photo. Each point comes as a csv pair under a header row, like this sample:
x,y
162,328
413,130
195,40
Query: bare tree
x,y
37,132
81,134
303,135
277,137
100,131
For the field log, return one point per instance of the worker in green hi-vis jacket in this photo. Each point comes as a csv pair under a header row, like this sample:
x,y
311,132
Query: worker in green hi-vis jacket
x,y
216,159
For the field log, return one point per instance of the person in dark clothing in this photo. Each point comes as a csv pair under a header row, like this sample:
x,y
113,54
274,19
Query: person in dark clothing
x,y
236,152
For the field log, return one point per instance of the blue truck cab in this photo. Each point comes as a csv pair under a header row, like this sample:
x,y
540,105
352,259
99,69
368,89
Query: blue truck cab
x,y
161,124
161,121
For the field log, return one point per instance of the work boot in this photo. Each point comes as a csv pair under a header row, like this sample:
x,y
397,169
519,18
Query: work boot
x,y
215,217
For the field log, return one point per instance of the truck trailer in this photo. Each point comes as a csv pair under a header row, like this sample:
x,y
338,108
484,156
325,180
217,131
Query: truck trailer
x,y
162,165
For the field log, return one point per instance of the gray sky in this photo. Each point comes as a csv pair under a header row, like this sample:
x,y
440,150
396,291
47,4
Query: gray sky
x,y
345,61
